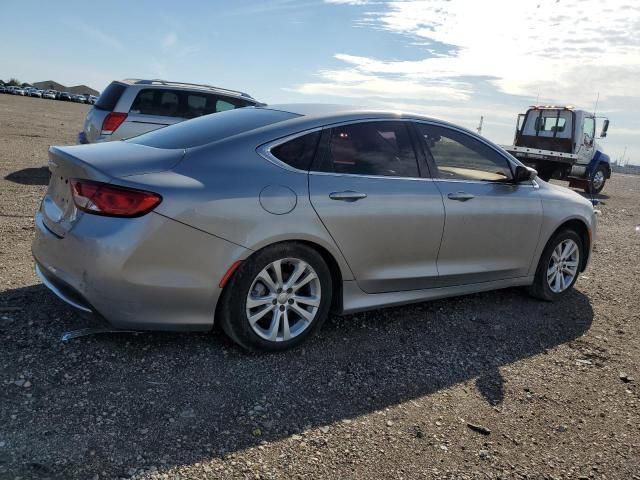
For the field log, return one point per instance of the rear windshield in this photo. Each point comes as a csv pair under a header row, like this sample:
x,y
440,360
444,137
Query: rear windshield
x,y
211,128
108,99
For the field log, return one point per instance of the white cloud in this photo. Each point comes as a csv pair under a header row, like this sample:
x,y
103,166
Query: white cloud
x,y
567,50
358,81
169,40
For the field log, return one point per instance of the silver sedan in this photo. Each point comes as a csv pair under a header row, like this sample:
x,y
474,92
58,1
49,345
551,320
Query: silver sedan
x,y
267,219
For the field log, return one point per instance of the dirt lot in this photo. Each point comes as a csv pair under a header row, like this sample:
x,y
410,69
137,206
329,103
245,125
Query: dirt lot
x,y
493,385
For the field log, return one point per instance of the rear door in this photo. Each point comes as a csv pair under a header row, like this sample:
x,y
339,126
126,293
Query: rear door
x,y
366,187
492,224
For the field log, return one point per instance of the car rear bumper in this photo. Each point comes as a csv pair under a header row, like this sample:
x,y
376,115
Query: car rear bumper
x,y
147,273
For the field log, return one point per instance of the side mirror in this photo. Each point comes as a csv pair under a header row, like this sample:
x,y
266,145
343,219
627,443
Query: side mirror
x,y
524,174
605,127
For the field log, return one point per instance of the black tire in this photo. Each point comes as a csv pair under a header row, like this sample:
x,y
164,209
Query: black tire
x,y
597,189
540,287
232,312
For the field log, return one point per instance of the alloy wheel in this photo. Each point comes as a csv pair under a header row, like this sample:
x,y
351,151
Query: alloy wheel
x,y
563,266
283,300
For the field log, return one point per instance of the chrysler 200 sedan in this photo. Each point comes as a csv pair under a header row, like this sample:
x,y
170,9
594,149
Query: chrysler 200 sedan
x,y
265,219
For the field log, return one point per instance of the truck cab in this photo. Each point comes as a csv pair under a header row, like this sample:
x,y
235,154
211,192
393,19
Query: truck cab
x,y
559,142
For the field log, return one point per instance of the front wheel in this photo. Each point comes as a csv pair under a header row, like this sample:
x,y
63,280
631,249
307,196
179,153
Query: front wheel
x,y
277,298
596,183
559,266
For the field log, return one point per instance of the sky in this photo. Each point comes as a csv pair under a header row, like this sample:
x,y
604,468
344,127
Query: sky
x,y
452,59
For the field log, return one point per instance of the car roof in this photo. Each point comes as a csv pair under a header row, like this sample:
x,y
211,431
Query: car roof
x,y
183,85
331,113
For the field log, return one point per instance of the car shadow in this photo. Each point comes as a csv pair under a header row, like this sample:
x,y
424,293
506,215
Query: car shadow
x,y
105,401
30,176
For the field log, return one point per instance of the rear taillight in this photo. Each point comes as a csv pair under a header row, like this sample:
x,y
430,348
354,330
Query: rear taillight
x,y
104,199
112,121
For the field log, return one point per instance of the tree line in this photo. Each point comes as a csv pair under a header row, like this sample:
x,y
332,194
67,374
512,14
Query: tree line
x,y
14,82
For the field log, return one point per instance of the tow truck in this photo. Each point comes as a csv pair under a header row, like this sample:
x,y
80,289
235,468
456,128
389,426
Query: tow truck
x,y
559,142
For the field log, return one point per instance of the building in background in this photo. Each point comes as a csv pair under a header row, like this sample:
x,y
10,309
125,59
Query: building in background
x,y
77,89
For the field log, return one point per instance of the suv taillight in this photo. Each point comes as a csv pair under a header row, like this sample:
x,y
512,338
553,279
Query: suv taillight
x,y
112,121
111,201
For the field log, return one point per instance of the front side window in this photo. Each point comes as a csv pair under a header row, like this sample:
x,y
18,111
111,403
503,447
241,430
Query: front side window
x,y
370,148
459,156
299,152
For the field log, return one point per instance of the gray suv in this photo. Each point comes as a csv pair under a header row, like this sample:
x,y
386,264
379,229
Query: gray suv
x,y
132,107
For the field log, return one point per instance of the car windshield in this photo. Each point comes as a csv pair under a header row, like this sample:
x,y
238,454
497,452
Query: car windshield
x,y
211,128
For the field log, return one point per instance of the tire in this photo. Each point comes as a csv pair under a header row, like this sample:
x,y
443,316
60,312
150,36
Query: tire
x,y
595,184
274,304
545,285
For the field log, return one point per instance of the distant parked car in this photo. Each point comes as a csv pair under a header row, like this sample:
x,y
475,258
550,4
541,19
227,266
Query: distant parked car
x,y
3,89
34,92
66,96
79,98
50,94
18,91
131,107
92,100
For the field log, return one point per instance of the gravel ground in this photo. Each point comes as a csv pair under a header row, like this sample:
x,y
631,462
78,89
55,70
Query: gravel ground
x,y
493,385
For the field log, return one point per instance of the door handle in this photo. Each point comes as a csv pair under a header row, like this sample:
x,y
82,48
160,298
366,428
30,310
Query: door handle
x,y
347,196
460,196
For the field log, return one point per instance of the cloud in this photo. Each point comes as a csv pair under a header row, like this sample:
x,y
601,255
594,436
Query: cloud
x,y
558,49
97,35
359,80
169,40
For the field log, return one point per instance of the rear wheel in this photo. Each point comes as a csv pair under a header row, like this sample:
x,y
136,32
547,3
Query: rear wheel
x,y
596,183
559,266
277,299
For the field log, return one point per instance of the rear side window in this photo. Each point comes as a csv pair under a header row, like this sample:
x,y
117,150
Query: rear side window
x,y
298,153
212,128
110,96
159,102
371,148
182,104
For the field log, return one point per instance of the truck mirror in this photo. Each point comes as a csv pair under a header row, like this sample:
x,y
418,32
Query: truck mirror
x,y
605,127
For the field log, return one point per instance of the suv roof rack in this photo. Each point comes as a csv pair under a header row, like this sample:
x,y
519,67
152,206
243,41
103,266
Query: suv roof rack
x,y
157,81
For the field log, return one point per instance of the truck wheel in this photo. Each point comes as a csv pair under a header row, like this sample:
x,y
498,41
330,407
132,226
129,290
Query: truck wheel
x,y
596,183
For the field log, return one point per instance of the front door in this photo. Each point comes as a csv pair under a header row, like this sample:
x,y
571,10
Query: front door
x,y
366,187
492,224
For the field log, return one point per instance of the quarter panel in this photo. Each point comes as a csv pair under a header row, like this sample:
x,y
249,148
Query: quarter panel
x,y
217,190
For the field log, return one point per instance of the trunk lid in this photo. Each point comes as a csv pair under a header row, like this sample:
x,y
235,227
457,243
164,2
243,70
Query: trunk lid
x,y
100,162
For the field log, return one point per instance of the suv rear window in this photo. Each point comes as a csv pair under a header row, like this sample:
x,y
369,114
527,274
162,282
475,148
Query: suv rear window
x,y
182,104
110,96
212,128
